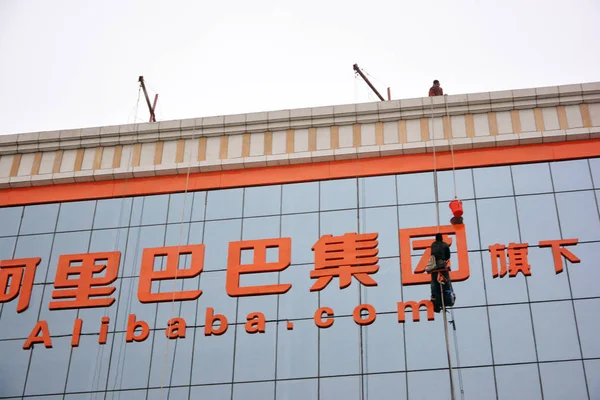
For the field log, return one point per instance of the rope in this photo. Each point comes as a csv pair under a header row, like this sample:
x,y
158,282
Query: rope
x,y
437,211
187,180
451,149
100,350
460,381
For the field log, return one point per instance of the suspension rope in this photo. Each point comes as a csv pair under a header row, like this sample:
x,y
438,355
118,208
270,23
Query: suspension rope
x,y
100,351
185,195
451,149
437,211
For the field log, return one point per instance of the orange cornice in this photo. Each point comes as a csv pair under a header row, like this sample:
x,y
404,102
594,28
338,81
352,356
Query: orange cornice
x,y
300,172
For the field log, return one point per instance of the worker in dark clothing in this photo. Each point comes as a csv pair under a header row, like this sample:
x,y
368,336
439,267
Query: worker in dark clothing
x,y
440,277
436,89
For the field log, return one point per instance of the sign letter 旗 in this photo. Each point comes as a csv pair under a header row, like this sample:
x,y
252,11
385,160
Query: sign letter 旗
x,y
87,280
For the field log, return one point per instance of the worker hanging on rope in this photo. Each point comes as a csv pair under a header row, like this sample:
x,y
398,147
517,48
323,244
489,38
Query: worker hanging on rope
x,y
439,269
436,89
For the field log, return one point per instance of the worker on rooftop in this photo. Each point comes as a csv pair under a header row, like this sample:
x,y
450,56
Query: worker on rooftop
x,y
436,89
440,276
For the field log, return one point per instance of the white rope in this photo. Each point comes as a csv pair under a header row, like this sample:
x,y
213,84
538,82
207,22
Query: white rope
x,y
185,195
451,149
437,211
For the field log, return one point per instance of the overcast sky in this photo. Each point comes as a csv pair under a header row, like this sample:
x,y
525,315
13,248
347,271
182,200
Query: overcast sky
x,y
70,64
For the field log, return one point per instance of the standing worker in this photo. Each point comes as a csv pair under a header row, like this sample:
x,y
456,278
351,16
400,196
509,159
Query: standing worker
x,y
440,277
436,89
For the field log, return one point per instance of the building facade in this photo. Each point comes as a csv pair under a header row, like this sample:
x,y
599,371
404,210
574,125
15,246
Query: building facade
x,y
280,255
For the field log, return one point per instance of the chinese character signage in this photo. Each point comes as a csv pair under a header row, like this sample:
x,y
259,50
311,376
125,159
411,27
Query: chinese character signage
x,y
87,280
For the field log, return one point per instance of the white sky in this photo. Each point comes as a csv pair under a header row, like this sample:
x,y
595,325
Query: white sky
x,y
74,63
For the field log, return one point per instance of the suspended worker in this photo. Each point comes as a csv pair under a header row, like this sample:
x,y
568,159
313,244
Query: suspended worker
x,y
436,89
440,277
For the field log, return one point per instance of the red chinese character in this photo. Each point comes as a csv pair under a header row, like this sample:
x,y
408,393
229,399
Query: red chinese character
x,y
517,259
345,256
19,275
172,272
235,268
418,276
558,251
83,273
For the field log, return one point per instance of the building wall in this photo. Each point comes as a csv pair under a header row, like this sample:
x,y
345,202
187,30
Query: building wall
x,y
518,337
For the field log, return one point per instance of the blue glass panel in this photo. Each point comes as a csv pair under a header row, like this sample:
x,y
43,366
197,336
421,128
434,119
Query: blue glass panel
x,y
538,219
564,380
300,198
113,213
471,292
428,385
126,394
478,383
211,392
48,367
255,354
497,222
338,194
180,207
224,204
297,350
342,301
589,325
518,382
199,206
178,234
259,390
168,393
66,243
299,301
337,223
7,247
138,240
347,388
262,200
384,221
297,390
128,303
36,246
136,211
214,295
39,219
13,367
266,304
388,292
213,357
60,322
595,169
417,216
155,209
383,345
515,344
173,368
13,325
571,175
492,182
464,185
377,191
555,331
303,229
88,370
473,336
544,283
584,276
415,188
532,178
385,386
578,214
129,363
76,216
11,220
217,235
432,352
340,347
592,374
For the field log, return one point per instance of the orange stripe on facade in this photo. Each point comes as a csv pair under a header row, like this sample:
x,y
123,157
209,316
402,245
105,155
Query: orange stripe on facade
x,y
361,167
